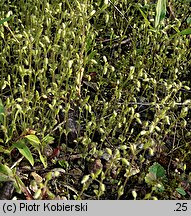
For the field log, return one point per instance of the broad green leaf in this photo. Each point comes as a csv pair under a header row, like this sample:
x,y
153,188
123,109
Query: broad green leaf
x,y
157,170
156,174
185,31
160,12
2,111
48,139
24,150
33,139
6,170
5,20
181,191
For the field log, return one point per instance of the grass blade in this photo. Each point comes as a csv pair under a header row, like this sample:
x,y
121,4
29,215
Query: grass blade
x,y
5,20
2,111
147,22
160,12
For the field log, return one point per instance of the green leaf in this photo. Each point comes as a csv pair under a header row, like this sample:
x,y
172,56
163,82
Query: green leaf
x,y
6,174
24,150
185,31
120,191
5,20
43,159
160,12
20,186
155,175
63,163
145,18
2,112
33,140
48,139
181,191
188,20
5,150
157,170
85,179
160,188
6,170
4,177
2,149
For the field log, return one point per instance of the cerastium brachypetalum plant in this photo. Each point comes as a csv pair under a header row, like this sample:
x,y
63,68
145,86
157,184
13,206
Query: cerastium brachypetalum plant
x,y
95,99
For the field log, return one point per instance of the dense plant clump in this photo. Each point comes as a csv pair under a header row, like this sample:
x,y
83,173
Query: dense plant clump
x,y
95,99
